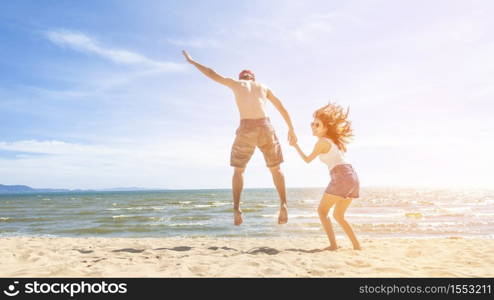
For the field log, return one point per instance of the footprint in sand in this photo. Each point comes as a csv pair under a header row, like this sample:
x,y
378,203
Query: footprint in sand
x,y
442,273
253,264
129,250
269,271
28,257
358,263
390,270
413,253
34,259
24,256
82,251
179,248
222,248
263,250
198,270
315,273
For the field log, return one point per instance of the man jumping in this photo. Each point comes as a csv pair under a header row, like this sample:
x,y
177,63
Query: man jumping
x,y
255,130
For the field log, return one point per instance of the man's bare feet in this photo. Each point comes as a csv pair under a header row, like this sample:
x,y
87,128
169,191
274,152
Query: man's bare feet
x,y
237,217
357,247
283,216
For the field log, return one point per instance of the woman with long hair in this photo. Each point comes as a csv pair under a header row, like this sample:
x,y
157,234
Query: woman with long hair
x,y
333,130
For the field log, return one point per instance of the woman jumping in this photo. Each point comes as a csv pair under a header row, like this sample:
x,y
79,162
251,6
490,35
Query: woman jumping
x,y
332,128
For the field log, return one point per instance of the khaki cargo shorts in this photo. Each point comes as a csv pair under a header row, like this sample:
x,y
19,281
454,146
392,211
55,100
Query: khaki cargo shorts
x,y
254,133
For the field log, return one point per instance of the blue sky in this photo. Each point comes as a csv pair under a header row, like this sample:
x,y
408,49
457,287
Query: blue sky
x,y
96,94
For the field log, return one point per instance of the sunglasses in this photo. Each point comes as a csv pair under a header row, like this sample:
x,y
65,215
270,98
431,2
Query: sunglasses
x,y
315,124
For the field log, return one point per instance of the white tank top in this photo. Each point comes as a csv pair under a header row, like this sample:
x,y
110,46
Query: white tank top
x,y
333,157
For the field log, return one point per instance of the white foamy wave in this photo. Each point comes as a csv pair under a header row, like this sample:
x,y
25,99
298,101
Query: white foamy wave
x,y
302,216
307,200
437,224
374,215
459,210
4,218
483,215
159,207
220,203
121,216
312,229
139,208
268,216
157,221
187,224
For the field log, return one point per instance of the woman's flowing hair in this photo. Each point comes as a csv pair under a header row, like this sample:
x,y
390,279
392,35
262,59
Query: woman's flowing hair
x,y
336,121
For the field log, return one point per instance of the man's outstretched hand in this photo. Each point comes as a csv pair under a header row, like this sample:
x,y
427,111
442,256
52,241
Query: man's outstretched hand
x,y
187,56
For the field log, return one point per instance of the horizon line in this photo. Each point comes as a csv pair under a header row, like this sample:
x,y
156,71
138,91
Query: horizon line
x,y
141,189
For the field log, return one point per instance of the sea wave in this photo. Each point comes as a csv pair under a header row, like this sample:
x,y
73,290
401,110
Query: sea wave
x,y
126,218
191,218
188,224
27,220
138,208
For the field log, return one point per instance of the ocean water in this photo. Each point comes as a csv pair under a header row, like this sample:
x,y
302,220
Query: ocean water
x,y
379,212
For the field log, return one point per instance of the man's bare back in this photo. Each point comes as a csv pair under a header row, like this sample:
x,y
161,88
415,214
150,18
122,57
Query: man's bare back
x,y
251,98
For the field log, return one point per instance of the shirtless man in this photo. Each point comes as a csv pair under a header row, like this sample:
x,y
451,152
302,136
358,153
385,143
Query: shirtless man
x,y
255,130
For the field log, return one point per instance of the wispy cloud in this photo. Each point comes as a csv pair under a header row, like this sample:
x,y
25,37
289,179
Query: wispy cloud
x,y
84,43
138,154
57,147
98,86
77,165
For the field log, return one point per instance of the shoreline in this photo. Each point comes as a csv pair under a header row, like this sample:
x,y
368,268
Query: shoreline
x,y
244,257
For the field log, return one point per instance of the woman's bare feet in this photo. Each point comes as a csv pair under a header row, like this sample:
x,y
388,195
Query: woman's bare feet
x,y
331,248
237,217
283,215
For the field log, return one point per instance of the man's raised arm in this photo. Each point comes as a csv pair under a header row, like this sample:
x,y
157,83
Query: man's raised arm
x,y
279,106
208,71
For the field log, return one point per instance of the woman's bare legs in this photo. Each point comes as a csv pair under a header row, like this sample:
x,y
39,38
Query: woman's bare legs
x,y
327,201
339,215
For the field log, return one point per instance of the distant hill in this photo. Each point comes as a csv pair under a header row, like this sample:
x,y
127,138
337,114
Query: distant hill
x,y
24,189
21,189
16,189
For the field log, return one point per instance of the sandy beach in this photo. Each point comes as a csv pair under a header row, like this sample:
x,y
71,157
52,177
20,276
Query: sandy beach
x,y
243,257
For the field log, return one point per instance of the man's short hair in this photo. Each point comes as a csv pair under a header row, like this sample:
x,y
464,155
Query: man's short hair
x,y
247,75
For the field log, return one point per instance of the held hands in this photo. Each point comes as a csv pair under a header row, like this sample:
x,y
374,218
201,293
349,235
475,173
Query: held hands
x,y
187,56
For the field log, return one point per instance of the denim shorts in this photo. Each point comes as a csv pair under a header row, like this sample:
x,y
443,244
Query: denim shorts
x,y
344,182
